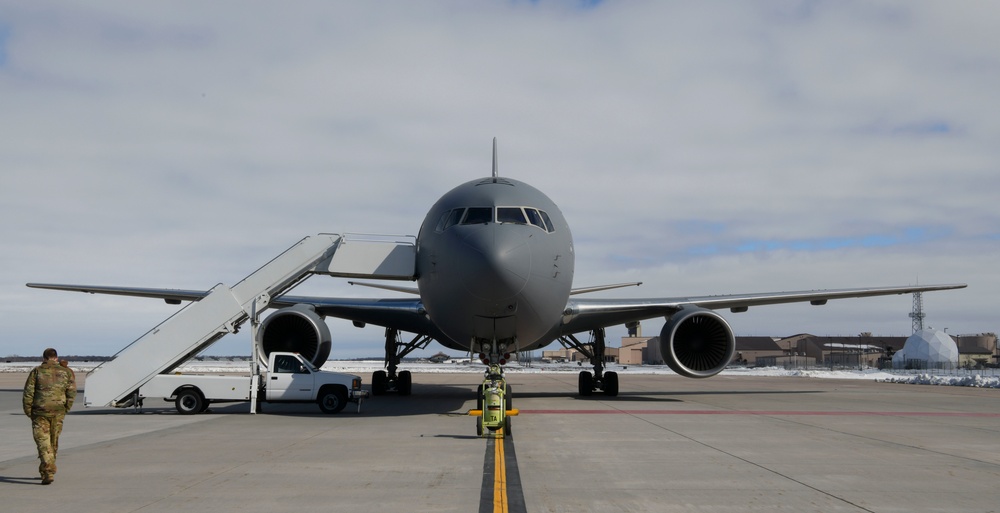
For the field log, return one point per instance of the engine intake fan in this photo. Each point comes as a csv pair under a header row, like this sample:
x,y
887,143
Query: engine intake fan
x,y
697,343
296,329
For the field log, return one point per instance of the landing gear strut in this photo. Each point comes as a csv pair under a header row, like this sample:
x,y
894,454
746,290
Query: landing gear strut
x,y
599,379
389,380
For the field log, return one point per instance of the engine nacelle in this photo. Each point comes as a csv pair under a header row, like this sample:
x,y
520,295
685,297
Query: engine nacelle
x,y
296,329
697,343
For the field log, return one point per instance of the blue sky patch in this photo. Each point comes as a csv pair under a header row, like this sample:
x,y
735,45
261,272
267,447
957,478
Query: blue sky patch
x,y
923,128
926,127
584,4
912,235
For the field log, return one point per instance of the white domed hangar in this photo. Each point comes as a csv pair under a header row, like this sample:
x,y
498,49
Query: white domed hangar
x,y
927,349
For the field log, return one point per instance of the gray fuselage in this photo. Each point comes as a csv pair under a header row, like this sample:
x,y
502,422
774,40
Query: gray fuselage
x,y
495,264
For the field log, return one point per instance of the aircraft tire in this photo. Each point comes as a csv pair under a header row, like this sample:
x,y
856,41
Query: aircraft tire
x,y
404,383
379,379
611,384
586,383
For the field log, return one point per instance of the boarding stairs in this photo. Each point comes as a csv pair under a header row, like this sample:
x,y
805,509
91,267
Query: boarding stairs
x,y
224,309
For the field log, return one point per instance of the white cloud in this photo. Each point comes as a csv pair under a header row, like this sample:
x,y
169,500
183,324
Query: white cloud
x,y
184,144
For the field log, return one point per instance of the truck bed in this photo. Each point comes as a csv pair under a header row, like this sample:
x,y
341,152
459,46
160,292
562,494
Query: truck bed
x,y
215,387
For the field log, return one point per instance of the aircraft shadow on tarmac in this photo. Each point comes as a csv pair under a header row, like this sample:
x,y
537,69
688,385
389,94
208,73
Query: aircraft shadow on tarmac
x,y
429,399
665,397
425,400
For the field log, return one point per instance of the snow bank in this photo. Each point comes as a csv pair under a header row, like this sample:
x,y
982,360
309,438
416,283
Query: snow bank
x,y
955,381
364,367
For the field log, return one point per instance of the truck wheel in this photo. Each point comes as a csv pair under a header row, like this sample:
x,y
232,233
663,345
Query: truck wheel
x,y
332,399
189,402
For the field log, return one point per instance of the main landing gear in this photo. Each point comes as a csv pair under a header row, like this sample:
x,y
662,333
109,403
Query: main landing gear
x,y
389,380
599,379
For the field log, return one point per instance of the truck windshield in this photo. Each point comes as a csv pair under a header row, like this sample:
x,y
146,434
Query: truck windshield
x,y
287,364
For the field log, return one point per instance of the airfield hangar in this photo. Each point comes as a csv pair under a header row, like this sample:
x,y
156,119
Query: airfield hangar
x,y
806,350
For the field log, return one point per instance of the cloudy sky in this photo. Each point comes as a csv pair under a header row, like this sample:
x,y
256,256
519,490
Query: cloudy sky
x,y
698,147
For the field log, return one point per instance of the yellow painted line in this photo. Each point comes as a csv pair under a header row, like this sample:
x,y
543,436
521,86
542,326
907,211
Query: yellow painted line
x,y
499,477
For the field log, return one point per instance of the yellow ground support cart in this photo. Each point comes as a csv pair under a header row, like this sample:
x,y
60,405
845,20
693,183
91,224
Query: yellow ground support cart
x,y
493,404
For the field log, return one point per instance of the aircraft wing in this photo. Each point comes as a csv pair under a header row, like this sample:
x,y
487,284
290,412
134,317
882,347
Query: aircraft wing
x,y
580,315
590,314
172,296
403,314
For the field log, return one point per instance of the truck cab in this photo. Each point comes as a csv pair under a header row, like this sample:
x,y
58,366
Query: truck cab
x,y
292,378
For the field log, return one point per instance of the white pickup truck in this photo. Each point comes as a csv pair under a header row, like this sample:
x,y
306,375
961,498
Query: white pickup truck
x,y
289,379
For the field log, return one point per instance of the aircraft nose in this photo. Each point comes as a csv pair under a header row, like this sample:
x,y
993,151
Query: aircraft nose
x,y
498,262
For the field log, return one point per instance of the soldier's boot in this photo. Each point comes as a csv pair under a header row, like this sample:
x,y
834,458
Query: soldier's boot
x,y
48,472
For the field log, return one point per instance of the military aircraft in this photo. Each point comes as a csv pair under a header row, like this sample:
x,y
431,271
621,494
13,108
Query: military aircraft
x,y
494,275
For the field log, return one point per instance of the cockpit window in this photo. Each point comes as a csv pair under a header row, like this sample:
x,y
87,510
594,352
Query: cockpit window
x,y
484,215
535,218
478,215
449,219
548,222
511,215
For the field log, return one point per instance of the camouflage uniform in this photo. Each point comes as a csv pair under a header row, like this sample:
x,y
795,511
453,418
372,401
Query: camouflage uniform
x,y
49,393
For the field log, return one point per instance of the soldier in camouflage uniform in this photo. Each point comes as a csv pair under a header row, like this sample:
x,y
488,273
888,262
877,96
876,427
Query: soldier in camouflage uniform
x,y
49,393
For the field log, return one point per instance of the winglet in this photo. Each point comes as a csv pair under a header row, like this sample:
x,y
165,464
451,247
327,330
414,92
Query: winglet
x,y
495,160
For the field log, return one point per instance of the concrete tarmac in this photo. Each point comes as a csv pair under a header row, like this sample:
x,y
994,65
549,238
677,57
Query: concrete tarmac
x,y
665,444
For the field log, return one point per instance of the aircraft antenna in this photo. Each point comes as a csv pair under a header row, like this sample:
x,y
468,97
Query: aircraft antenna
x,y
495,160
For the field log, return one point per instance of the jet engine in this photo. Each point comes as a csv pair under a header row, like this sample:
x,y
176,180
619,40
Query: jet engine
x,y
697,343
296,329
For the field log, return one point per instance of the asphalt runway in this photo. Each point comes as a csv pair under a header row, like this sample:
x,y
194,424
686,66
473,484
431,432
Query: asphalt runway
x,y
665,444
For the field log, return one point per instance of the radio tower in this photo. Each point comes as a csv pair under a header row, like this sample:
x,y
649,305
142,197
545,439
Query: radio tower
x,y
918,311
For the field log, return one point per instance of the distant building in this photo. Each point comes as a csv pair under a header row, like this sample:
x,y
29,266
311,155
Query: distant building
x,y
439,358
803,350
633,350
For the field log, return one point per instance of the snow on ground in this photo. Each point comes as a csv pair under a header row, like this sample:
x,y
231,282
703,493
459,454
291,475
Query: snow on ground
x,y
987,379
